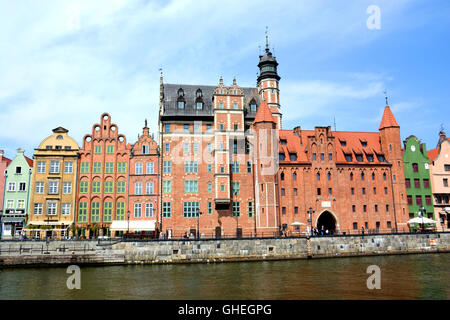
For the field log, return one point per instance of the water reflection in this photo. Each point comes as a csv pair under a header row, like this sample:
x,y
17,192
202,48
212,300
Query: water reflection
x,y
402,277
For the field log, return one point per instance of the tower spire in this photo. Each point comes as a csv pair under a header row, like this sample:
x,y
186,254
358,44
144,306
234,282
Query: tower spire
x,y
267,39
386,97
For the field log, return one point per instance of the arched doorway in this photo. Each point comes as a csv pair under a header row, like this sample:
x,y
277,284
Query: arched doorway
x,y
326,221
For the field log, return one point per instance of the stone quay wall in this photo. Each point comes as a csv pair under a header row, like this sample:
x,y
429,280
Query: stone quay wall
x,y
89,252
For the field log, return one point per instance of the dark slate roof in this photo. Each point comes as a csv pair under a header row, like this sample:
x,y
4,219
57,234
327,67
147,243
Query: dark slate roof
x,y
170,100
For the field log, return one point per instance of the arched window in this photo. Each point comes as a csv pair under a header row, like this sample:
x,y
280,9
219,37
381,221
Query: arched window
x,y
318,176
199,93
351,176
282,176
384,176
180,93
294,176
362,175
373,175
329,175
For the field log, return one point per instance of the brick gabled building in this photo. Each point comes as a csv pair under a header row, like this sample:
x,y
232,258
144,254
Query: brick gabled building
x,y
103,172
228,168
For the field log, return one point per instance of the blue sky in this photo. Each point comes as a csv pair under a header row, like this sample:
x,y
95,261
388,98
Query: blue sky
x,y
64,63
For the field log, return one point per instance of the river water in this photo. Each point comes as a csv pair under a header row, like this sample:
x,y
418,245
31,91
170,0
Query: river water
x,y
418,276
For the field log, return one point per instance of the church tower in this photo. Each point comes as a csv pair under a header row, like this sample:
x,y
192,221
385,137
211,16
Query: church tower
x,y
267,83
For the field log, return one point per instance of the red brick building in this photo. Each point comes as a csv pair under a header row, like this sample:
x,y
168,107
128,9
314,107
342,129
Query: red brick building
x,y
143,188
228,168
102,179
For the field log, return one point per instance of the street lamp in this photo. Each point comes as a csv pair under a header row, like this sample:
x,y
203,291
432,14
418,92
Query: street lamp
x,y
198,223
422,212
310,212
128,220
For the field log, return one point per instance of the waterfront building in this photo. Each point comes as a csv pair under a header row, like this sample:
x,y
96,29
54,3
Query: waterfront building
x,y
102,179
143,189
4,162
440,177
417,179
17,179
54,185
229,168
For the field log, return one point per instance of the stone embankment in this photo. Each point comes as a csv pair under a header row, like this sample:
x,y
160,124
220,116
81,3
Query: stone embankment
x,y
89,252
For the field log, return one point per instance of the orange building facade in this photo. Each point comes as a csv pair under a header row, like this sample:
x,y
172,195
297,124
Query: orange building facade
x,y
103,174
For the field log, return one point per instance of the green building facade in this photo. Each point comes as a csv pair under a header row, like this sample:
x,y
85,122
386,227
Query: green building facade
x,y
417,178
16,195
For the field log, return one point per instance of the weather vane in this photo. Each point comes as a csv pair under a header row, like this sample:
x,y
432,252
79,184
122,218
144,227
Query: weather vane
x,y
385,96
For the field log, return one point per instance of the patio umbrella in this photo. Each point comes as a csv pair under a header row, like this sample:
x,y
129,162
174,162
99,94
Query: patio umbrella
x,y
421,220
298,224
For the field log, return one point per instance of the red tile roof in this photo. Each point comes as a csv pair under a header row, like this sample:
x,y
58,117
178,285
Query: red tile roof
x,y
299,143
388,120
264,114
30,162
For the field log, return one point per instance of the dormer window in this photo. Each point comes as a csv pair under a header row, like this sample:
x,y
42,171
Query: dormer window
x,y
364,143
199,94
359,158
180,104
281,156
253,106
59,137
283,142
199,105
380,158
293,156
348,157
369,157
180,93
343,143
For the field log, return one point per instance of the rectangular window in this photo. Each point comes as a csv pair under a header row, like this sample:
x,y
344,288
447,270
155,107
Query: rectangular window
x,y
330,156
121,187
222,188
295,210
209,167
150,167
10,204
149,188
365,208
54,166
235,167
167,209
52,206
39,187
447,167
67,187
330,191
167,186
408,183
374,190
426,183
409,199
209,187
236,211
318,191
196,127
122,167
41,167
138,168
37,208
190,167
145,149
236,188
167,127
167,167
353,208
53,187
138,210
167,147
322,156
109,149
355,225
249,167
416,183
314,156
209,147
82,211
282,191
419,200
221,105
97,149
97,167
191,186
120,210
195,148
65,209
84,167
295,191
84,186
22,186
149,210
68,167
96,187
191,209
186,128
385,190
352,190
445,182
109,167
235,106
95,211
21,204
138,188
11,186
235,127
428,200
210,207
186,149
376,208
250,209
283,210
108,187
208,128
107,211
363,190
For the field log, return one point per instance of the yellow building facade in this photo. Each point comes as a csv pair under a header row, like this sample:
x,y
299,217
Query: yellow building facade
x,y
54,185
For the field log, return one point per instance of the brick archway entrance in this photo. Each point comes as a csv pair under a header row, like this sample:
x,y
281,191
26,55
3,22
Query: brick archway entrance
x,y
328,221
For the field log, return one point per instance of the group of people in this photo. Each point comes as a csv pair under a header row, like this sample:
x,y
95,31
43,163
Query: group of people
x,y
322,232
